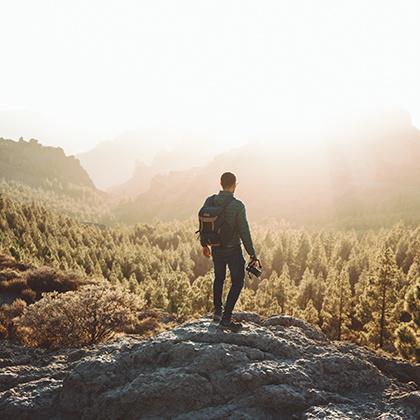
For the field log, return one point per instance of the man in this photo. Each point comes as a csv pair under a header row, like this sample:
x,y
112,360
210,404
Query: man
x,y
230,254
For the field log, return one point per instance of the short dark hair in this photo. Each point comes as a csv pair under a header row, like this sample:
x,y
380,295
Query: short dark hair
x,y
227,180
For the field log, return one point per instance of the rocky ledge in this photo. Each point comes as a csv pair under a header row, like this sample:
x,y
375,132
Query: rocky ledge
x,y
277,368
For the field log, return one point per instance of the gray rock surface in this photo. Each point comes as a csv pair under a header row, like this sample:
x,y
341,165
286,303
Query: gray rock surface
x,y
278,368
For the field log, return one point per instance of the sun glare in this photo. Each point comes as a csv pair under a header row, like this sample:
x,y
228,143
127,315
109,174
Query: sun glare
x,y
101,68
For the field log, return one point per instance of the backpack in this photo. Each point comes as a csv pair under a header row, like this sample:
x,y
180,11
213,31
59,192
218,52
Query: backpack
x,y
214,230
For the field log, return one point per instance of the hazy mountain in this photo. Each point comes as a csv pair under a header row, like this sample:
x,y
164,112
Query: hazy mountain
x,y
126,164
368,172
183,157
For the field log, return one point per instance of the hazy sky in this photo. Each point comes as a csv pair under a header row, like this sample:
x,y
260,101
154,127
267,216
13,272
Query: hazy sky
x,y
97,68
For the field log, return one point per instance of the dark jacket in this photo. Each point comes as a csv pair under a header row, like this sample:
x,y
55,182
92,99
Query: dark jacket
x,y
235,215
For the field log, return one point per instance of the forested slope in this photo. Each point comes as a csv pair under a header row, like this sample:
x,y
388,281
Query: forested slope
x,y
334,279
30,171
33,164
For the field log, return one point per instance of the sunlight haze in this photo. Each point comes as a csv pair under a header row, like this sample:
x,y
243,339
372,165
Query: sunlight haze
x,y
90,71
209,209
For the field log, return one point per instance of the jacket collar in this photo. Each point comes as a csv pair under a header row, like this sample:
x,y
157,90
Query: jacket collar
x,y
225,193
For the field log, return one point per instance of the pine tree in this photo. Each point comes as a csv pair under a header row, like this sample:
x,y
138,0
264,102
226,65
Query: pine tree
x,y
298,262
382,297
179,292
278,258
408,333
412,302
310,288
283,290
310,314
407,341
133,284
158,295
317,259
335,312
265,301
202,294
247,301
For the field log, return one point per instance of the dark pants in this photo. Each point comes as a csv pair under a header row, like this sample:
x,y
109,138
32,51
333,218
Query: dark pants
x,y
233,258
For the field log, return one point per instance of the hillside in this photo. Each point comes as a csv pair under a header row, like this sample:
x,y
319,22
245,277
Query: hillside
x,y
307,274
275,368
30,171
34,164
364,177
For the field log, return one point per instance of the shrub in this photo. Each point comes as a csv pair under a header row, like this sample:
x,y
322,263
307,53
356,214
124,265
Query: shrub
x,y
8,274
8,262
29,296
89,315
152,321
147,326
30,285
3,331
8,315
15,285
45,279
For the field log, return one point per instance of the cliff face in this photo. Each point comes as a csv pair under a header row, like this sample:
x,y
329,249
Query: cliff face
x,y
277,368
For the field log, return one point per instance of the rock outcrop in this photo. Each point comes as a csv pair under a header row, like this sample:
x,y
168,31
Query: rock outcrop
x,y
278,368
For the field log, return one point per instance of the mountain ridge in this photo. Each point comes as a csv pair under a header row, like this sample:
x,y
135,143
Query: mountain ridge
x,y
334,179
30,171
158,150
33,163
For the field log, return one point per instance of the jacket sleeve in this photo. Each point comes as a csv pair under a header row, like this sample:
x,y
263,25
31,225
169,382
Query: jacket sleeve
x,y
244,232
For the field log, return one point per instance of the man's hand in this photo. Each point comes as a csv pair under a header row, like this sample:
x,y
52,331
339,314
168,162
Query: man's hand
x,y
206,251
254,261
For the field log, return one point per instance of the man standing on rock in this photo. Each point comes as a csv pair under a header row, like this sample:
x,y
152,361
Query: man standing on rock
x,y
223,225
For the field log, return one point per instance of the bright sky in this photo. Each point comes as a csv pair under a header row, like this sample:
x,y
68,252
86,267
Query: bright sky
x,y
103,67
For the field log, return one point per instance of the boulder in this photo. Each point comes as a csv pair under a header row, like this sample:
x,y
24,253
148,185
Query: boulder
x,y
279,368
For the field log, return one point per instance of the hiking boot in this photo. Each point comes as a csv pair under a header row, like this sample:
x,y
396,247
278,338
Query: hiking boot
x,y
217,316
228,324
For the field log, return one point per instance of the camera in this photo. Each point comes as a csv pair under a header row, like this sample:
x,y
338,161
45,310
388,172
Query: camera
x,y
254,270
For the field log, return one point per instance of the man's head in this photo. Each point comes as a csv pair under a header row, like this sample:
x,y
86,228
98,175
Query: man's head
x,y
228,182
